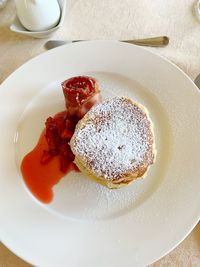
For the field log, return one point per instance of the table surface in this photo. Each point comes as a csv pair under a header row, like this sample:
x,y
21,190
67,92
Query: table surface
x,y
16,49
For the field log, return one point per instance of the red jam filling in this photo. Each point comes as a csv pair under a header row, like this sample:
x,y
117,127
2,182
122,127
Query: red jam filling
x,y
78,90
52,157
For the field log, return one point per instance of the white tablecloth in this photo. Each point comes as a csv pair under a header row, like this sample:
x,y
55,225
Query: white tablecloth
x,y
116,19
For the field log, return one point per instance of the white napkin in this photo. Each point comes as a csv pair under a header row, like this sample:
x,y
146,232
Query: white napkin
x,y
129,19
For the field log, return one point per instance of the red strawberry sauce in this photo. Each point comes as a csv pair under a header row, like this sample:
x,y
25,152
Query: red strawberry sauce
x,y
52,158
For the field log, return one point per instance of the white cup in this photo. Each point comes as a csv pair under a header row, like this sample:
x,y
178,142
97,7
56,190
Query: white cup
x,y
38,15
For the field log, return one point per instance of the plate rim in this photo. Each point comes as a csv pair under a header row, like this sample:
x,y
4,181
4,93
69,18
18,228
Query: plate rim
x,y
94,42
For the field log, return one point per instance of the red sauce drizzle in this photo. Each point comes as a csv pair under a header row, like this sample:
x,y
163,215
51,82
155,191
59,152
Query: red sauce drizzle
x,y
52,157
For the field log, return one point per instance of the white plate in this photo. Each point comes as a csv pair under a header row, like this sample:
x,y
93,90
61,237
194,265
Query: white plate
x,y
87,224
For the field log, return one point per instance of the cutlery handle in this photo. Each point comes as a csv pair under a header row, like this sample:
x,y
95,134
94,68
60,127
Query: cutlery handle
x,y
154,41
197,81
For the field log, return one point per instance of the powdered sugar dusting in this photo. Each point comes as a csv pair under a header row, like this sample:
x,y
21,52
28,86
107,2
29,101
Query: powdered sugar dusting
x,y
116,140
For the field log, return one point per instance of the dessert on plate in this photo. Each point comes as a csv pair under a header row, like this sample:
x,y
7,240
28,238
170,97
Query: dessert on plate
x,y
81,93
111,141
52,158
114,142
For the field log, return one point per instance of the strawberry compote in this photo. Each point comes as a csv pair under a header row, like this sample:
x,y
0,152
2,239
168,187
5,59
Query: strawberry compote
x,y
52,157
